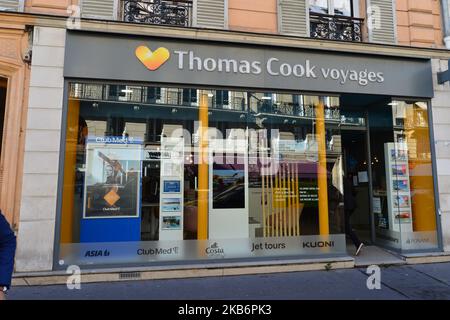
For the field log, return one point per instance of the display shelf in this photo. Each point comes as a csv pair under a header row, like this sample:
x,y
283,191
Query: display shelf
x,y
172,189
398,187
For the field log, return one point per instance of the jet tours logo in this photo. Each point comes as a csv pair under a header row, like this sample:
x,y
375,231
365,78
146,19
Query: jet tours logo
x,y
153,60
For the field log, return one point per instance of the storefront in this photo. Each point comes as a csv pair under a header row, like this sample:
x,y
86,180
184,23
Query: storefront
x,y
180,151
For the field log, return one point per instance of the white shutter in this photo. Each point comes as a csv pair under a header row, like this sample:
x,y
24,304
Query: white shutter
x,y
10,5
293,17
99,9
211,13
385,30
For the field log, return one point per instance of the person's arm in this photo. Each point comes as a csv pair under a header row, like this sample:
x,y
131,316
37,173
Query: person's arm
x,y
7,252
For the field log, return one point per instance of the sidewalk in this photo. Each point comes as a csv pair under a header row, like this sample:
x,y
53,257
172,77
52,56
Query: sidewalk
x,y
428,281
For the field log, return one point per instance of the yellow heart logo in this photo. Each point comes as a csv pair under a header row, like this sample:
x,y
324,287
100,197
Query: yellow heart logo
x,y
152,60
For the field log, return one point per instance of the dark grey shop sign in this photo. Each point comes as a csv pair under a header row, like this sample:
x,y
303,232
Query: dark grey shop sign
x,y
146,59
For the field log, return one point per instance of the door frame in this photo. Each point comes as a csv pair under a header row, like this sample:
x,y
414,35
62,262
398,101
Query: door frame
x,y
366,132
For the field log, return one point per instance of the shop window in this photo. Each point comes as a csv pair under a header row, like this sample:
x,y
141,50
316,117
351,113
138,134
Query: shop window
x,y
176,177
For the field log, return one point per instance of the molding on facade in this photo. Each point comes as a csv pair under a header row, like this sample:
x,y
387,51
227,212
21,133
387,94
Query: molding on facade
x,y
227,36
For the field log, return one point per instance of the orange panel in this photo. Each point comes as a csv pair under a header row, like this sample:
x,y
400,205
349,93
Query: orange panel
x,y
69,172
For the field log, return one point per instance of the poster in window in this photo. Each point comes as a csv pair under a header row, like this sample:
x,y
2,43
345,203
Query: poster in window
x,y
400,185
171,223
170,204
112,180
172,186
401,201
399,170
228,186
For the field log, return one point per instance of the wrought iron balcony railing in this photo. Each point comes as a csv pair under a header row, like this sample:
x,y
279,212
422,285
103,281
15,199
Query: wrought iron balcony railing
x,y
324,26
164,12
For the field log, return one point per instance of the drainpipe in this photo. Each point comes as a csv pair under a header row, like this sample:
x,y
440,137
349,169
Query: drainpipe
x,y
446,22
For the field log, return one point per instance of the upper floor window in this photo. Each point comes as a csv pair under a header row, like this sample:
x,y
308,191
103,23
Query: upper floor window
x,y
167,12
334,19
332,7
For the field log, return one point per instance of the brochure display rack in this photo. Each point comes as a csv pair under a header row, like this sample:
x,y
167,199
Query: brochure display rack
x,y
111,194
171,191
398,187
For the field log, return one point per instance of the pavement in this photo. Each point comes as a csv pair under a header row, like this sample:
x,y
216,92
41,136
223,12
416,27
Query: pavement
x,y
398,282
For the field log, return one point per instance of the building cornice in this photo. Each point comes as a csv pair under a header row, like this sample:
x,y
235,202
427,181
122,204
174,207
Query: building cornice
x,y
15,20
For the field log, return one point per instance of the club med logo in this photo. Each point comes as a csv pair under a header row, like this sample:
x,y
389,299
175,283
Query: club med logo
x,y
318,244
153,60
214,250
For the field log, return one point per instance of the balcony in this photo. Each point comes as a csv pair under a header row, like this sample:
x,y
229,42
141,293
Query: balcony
x,y
162,12
323,26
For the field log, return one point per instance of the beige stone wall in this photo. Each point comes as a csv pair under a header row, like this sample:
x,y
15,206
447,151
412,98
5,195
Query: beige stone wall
x,y
253,15
42,152
419,23
441,126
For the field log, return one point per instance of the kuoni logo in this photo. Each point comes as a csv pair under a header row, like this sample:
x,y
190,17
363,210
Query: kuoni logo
x,y
152,59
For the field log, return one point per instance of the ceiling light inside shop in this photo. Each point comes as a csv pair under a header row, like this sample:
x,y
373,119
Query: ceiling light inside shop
x,y
393,103
127,91
266,98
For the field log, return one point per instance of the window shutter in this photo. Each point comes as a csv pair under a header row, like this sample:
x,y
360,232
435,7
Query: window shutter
x,y
385,31
99,9
211,13
293,17
10,5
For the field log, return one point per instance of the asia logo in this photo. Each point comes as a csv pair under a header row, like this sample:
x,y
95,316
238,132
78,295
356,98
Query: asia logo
x,y
97,253
152,59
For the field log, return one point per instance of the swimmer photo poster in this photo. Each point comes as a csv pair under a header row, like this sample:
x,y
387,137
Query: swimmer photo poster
x,y
112,180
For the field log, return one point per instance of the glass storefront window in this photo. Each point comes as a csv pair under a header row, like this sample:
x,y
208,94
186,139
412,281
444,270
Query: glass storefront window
x,y
159,174
403,186
164,174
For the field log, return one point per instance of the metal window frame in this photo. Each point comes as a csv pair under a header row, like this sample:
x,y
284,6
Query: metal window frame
x,y
199,263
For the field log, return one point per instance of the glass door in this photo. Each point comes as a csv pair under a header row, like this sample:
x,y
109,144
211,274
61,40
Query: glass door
x,y
357,174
